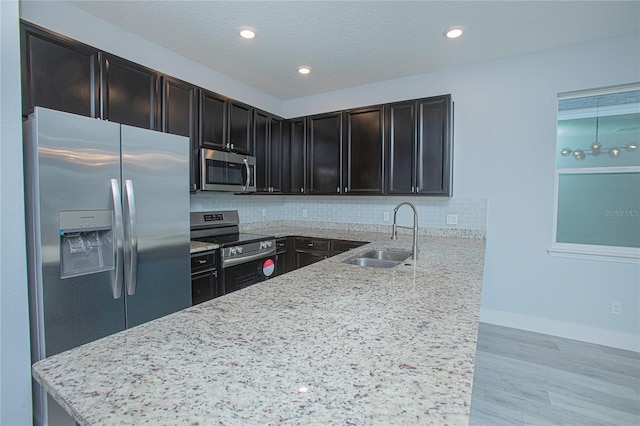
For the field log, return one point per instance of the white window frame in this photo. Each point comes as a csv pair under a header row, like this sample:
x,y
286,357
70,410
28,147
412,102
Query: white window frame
x,y
588,251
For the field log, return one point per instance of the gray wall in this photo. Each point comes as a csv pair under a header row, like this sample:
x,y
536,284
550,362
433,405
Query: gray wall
x,y
15,365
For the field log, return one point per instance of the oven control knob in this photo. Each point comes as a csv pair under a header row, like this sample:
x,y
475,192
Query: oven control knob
x,y
239,250
232,250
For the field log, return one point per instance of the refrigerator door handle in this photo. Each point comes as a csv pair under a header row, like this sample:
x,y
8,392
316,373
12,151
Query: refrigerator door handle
x,y
117,274
131,268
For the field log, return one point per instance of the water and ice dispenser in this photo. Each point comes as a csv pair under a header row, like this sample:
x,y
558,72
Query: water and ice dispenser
x,y
86,242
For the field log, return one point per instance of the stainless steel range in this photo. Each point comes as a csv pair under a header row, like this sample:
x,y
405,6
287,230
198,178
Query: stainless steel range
x,y
245,259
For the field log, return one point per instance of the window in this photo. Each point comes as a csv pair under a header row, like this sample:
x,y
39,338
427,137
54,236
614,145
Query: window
x,y
597,182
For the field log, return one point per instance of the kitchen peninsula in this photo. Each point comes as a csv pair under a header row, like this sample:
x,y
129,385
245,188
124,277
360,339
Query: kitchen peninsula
x,y
327,343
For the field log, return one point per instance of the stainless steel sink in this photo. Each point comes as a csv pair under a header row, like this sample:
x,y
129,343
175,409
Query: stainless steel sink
x,y
379,258
372,263
396,256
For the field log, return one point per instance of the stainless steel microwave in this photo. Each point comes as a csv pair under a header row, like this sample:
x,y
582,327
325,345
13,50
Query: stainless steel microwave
x,y
227,171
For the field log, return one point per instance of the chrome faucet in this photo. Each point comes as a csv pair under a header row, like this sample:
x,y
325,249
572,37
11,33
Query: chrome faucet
x,y
394,232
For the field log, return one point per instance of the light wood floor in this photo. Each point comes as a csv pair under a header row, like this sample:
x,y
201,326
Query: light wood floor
x,y
525,378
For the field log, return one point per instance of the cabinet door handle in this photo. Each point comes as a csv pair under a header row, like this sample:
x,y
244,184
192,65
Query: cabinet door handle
x,y
346,189
301,189
309,244
338,190
202,262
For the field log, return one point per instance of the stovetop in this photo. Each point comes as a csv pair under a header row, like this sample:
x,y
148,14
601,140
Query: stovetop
x,y
222,228
234,239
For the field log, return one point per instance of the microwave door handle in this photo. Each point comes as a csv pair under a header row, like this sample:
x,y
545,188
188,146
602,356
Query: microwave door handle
x,y
116,273
132,269
248,169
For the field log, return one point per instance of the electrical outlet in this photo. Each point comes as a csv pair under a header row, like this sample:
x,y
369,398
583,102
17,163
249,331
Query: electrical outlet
x,y
385,216
264,212
616,308
452,219
304,212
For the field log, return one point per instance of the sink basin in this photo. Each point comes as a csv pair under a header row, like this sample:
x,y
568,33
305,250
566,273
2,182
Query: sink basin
x,y
372,263
379,258
396,256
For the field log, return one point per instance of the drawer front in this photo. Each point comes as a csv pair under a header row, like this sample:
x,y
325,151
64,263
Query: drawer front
x,y
201,262
319,244
281,245
340,246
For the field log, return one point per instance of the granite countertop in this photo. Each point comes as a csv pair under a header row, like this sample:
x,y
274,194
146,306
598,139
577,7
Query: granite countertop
x,y
327,343
198,246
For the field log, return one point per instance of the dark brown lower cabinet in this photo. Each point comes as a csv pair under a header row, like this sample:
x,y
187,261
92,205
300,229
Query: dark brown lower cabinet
x,y
341,246
311,250
205,283
285,255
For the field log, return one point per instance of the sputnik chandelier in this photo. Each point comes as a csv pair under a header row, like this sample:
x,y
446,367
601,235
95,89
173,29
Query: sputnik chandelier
x,y
596,149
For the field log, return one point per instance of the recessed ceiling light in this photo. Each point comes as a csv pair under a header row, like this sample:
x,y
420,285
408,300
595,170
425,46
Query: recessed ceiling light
x,y
453,32
304,69
248,33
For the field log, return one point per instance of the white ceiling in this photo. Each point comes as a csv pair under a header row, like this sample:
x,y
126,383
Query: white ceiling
x,y
350,43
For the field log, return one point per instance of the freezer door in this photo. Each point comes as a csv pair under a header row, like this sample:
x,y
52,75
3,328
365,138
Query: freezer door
x,y
69,163
155,196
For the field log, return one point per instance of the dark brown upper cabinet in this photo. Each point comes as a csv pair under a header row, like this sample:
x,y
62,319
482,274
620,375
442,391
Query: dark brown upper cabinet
x,y
276,145
295,175
180,116
268,148
240,137
58,73
419,154
128,92
363,151
213,120
401,148
324,153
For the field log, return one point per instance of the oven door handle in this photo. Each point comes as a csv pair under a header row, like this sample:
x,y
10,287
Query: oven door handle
x,y
238,260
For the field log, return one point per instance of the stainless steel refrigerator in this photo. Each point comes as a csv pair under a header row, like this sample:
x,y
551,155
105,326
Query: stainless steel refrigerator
x,y
107,232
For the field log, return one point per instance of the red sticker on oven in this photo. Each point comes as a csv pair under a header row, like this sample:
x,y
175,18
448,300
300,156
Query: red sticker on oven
x,y
268,267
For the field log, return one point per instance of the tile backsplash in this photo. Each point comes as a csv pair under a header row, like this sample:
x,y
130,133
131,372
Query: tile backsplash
x,y
432,211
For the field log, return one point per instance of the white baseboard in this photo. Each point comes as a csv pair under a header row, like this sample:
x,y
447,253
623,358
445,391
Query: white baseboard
x,y
600,336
